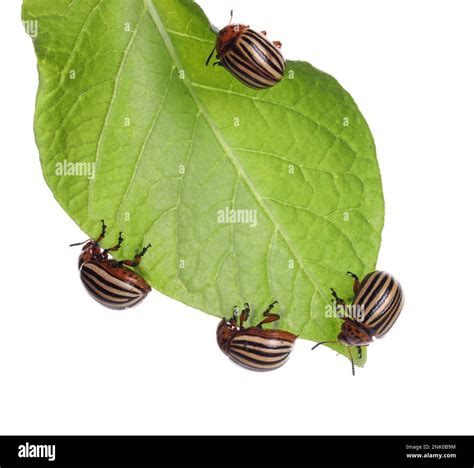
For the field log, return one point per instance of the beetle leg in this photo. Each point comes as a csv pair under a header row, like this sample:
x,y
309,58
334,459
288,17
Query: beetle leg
x,y
101,236
210,56
277,44
235,314
359,351
115,247
102,233
269,317
339,301
244,315
138,258
217,63
356,286
340,304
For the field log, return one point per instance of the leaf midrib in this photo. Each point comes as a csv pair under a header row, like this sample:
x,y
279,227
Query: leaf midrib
x,y
156,18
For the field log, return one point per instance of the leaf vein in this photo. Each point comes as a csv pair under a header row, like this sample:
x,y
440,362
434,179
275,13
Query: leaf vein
x,y
114,95
220,139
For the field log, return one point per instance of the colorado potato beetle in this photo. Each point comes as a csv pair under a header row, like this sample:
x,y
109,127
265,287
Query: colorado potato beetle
x,y
108,281
249,56
376,306
254,348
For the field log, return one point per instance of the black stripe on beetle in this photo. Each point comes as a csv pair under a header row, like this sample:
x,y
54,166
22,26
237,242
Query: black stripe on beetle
x,y
255,348
376,306
111,283
249,56
259,43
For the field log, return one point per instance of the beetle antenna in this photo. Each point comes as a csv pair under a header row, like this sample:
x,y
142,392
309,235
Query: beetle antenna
x,y
352,360
322,342
231,16
78,243
210,56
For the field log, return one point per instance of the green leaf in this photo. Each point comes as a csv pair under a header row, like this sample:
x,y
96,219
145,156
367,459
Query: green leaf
x,y
123,86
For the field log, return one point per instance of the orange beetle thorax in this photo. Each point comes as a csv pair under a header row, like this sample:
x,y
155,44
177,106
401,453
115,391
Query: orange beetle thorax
x,y
227,36
354,334
225,332
90,252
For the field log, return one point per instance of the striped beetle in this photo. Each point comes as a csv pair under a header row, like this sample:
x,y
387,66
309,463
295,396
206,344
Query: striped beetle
x,y
249,56
108,281
377,304
254,348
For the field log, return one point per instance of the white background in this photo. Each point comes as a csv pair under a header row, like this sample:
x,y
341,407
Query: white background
x,y
70,366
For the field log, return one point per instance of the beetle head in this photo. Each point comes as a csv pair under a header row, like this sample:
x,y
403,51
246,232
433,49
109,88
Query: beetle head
x,y
91,245
353,333
90,251
226,331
